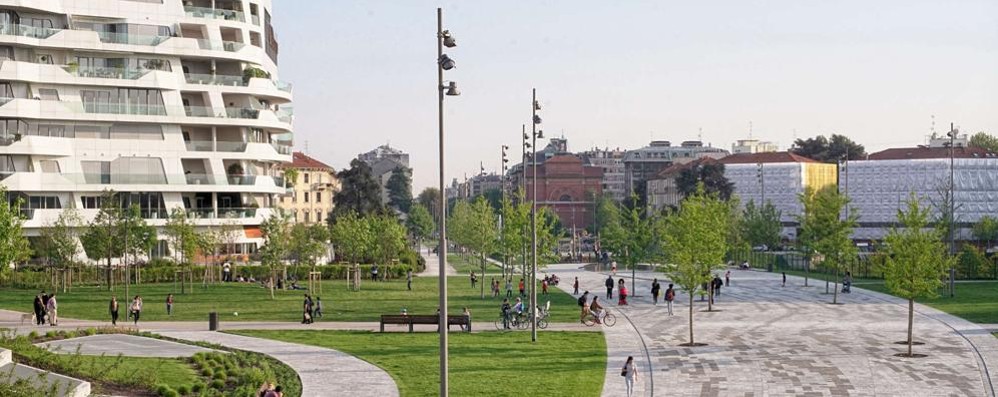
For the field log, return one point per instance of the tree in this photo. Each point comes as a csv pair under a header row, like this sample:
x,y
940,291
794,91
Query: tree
x,y
182,236
695,241
291,176
481,232
102,238
308,243
352,237
400,189
985,141
419,223
389,238
828,150
359,191
14,247
276,237
631,236
916,259
137,237
760,225
986,230
514,241
430,198
59,238
824,231
709,174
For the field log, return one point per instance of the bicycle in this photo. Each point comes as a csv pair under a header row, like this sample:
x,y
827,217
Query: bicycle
x,y
516,321
608,319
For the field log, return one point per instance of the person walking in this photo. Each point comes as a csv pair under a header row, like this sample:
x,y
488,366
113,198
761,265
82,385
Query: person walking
x,y
474,280
136,309
318,308
306,316
504,312
717,285
575,286
670,295
39,307
544,287
630,374
169,304
45,305
522,289
609,287
509,288
727,278
408,280
621,293
655,288
53,310
784,279
113,309
584,305
374,273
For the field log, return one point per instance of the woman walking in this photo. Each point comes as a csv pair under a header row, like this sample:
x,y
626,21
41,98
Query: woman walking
x,y
113,308
630,374
622,293
655,288
53,310
136,309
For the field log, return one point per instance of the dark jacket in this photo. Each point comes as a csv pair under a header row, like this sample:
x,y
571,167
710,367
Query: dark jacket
x,y
609,283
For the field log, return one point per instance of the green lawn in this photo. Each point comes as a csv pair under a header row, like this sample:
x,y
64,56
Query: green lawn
x,y
974,301
253,303
464,265
493,364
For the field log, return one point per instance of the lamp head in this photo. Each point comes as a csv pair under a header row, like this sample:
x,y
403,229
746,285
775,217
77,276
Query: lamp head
x,y
452,89
537,119
446,63
525,137
537,105
540,134
449,41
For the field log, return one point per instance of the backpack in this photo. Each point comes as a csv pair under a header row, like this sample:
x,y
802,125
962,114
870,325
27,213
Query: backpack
x,y
582,301
669,295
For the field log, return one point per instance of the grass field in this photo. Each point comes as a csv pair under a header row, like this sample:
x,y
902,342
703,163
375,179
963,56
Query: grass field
x,y
974,301
464,265
492,364
253,303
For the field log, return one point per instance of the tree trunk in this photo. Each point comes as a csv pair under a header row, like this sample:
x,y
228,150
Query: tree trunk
x,y
911,315
691,318
835,294
273,280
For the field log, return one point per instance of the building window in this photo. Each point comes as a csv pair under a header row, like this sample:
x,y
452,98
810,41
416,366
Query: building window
x,y
296,215
306,197
294,197
308,217
318,197
305,175
318,216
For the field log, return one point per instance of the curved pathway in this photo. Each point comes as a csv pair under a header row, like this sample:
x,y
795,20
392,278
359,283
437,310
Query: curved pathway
x,y
321,370
433,264
773,340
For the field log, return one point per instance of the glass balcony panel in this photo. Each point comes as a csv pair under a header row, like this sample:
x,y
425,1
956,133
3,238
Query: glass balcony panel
x,y
28,31
124,108
217,79
199,111
242,180
215,13
128,38
199,146
224,146
106,73
283,86
242,113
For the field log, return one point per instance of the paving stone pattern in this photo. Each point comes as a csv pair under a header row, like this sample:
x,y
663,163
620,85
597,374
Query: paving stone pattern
x,y
768,340
126,345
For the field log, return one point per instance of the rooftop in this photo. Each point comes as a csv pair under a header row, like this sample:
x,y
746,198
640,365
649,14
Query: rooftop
x,y
673,171
301,160
923,152
766,157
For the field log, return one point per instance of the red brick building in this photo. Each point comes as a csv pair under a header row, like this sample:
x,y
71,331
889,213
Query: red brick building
x,y
567,186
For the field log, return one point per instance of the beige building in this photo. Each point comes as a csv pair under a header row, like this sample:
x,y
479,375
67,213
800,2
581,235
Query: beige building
x,y
310,200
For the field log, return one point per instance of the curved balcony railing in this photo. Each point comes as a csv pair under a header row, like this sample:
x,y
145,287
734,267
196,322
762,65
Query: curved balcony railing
x,y
124,108
230,46
106,72
131,38
27,31
283,86
215,79
218,146
215,13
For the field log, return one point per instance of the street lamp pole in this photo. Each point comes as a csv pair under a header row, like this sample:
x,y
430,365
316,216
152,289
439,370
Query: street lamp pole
x,y
523,170
535,120
952,206
444,39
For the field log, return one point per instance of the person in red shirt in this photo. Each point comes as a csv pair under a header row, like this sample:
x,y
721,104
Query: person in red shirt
x,y
544,287
521,288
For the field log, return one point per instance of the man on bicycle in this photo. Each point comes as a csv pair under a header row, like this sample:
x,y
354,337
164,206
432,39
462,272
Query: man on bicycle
x,y
597,310
518,307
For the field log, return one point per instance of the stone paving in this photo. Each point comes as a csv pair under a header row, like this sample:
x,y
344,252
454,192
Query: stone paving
x,y
126,345
323,372
768,340
433,264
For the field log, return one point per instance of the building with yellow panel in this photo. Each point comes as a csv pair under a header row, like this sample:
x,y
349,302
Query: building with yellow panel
x,y
777,178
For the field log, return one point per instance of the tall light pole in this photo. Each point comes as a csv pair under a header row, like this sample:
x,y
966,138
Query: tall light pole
x,y
443,63
952,206
523,169
502,212
535,133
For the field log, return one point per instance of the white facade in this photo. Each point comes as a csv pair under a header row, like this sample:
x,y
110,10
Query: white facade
x,y
169,105
879,188
753,146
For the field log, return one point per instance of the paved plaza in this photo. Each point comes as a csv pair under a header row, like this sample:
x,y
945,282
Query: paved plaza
x,y
769,340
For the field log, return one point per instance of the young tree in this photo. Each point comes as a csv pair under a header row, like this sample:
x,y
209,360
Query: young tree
x,y
482,233
276,236
420,223
515,221
430,198
825,231
695,240
400,189
458,224
760,225
182,236
389,238
291,176
60,238
632,238
352,237
986,230
308,243
136,235
102,238
14,247
612,236
916,259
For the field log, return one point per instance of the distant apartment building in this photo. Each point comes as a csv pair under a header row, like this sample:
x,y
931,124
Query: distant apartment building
x,y
481,184
567,186
777,178
881,185
611,161
663,193
173,105
311,198
384,160
753,146
644,163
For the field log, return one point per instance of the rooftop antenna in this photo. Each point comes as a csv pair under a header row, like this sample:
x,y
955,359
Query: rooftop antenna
x,y
700,134
306,146
750,129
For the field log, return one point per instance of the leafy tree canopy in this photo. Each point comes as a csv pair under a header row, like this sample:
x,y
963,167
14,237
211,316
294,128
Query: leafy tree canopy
x,y
828,150
359,191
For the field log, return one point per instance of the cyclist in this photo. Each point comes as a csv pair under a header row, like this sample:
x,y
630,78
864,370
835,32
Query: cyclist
x,y
518,307
584,304
597,310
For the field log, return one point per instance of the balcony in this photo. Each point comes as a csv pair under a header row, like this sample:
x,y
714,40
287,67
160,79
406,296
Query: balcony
x,y
283,149
215,79
215,13
7,140
219,146
242,113
28,31
242,180
283,86
229,46
199,111
105,72
199,179
131,38
124,108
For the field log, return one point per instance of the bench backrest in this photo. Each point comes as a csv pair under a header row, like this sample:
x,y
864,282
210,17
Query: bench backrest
x,y
424,319
394,319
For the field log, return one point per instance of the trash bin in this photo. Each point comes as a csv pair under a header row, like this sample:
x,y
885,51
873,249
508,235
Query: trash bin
x,y
213,321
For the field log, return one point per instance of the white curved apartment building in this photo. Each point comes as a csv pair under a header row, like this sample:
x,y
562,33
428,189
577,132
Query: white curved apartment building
x,y
149,98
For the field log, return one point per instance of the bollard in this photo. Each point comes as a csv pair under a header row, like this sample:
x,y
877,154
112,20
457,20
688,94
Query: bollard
x,y
213,321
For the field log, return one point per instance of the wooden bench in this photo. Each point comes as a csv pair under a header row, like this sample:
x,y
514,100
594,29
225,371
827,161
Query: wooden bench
x,y
412,320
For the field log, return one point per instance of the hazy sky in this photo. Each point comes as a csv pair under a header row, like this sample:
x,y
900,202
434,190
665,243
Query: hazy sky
x,y
619,73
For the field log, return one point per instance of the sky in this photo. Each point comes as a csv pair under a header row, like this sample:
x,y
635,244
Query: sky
x,y
622,73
